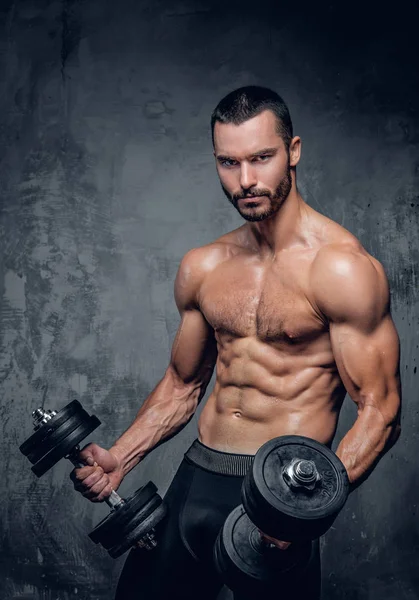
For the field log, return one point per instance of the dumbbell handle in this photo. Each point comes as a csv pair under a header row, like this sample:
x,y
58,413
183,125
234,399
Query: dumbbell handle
x,y
114,500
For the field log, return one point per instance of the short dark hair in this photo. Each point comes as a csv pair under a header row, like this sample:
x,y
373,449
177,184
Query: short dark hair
x,y
248,102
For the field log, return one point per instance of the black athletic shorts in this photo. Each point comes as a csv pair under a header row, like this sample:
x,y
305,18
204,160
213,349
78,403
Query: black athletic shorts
x,y
203,492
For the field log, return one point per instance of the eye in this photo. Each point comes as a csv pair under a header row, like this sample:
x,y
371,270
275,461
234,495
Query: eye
x,y
228,162
263,157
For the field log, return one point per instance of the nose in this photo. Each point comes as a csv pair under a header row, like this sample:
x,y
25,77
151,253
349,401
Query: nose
x,y
248,177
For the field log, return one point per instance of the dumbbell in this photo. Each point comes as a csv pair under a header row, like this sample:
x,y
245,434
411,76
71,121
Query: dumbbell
x,y
293,491
131,521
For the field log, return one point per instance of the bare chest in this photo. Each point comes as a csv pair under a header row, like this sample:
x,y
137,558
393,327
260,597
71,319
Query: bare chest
x,y
268,303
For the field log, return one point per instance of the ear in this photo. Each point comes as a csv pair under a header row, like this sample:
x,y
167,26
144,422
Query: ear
x,y
295,151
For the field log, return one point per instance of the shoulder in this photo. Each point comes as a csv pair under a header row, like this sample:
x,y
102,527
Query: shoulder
x,y
200,261
197,264
348,283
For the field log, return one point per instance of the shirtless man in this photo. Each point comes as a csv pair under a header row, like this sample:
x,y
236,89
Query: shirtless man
x,y
293,312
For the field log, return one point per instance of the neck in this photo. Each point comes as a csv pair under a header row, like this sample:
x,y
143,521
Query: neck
x,y
283,230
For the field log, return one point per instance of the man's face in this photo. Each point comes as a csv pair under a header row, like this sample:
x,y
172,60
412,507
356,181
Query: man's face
x,y
253,165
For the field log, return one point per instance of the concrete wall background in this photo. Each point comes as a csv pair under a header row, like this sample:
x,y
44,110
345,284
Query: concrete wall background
x,y
107,178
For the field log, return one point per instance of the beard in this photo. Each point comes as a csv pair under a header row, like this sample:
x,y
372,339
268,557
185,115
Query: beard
x,y
276,199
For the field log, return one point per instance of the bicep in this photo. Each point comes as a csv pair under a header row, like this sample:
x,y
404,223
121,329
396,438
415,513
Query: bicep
x,y
368,361
194,349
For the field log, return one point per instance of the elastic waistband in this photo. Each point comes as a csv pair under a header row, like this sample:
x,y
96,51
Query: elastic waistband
x,y
224,463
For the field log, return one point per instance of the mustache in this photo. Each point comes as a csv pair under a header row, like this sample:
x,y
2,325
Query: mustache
x,y
252,194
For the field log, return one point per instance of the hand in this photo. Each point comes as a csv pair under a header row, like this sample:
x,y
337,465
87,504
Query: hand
x,y
102,474
278,543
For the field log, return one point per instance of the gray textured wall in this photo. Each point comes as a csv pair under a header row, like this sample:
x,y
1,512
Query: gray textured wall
x,y
107,178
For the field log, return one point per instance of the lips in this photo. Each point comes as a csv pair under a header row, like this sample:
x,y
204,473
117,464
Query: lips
x,y
252,199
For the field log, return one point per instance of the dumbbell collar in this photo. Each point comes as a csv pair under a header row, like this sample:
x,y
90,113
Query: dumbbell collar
x,y
300,473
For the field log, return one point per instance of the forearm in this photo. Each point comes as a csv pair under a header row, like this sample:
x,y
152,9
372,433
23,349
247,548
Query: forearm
x,y
167,409
371,436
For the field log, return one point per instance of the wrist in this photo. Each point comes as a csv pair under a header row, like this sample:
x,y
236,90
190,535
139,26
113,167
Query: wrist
x,y
125,459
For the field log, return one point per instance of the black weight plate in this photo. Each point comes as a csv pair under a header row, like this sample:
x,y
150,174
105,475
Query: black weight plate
x,y
66,446
121,532
140,531
286,513
56,435
109,527
45,430
245,562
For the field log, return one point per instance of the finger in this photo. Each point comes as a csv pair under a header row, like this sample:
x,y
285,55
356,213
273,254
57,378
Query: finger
x,y
282,545
81,473
95,490
88,482
86,455
266,538
105,493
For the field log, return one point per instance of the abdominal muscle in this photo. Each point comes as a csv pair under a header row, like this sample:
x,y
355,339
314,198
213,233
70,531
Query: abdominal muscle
x,y
262,392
